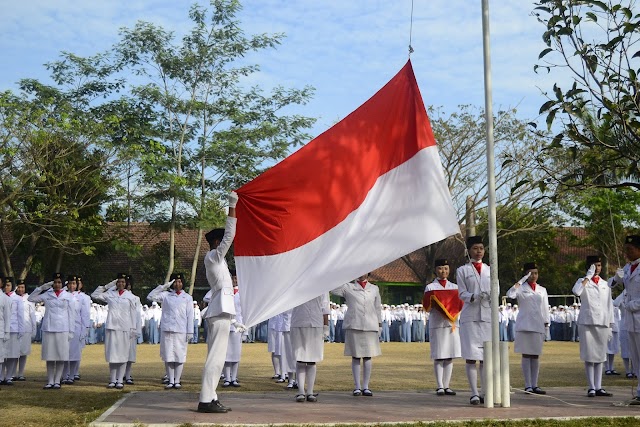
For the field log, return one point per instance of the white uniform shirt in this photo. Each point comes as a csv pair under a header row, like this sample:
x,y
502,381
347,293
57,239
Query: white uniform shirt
x,y
218,274
5,317
471,284
597,305
533,312
311,313
17,313
177,310
364,306
123,308
59,315
30,321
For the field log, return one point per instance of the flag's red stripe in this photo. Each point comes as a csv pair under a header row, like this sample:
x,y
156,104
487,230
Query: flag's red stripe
x,y
315,188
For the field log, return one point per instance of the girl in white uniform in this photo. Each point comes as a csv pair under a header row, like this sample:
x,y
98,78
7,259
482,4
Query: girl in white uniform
x,y
120,326
309,326
595,322
444,335
234,349
57,327
30,328
133,349
474,287
361,324
80,330
531,324
176,326
12,349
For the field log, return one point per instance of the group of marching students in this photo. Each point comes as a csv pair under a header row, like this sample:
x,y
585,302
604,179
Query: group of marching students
x,y
459,324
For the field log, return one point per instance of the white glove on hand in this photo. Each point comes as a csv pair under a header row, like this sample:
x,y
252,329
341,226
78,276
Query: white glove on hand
x,y
111,284
70,336
133,334
233,199
239,327
189,337
633,305
46,286
84,333
485,296
610,334
325,332
619,275
591,272
168,284
524,278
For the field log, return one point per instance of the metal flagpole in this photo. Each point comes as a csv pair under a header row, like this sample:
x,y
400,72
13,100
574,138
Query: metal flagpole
x,y
491,184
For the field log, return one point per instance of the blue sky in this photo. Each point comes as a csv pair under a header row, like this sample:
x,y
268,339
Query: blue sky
x,y
346,49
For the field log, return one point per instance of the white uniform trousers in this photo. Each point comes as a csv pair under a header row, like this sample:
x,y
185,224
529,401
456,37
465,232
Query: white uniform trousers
x,y
634,349
217,342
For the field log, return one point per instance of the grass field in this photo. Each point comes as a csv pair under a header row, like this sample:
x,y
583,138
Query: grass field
x,y
403,366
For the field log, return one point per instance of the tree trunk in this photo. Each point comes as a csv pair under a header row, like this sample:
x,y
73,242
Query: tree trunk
x,y
28,262
7,269
194,264
470,218
172,239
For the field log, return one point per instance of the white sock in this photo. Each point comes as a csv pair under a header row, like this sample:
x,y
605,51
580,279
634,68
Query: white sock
x,y
73,368
178,371
113,372
355,370
597,375
625,360
448,370
11,368
590,371
121,368
127,370
21,364
301,372
292,377
438,368
366,372
535,371
234,371
472,376
526,371
610,358
275,360
59,369
171,372
227,371
311,378
51,371
65,369
481,377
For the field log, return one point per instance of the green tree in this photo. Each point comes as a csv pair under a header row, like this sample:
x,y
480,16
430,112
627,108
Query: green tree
x,y
209,133
596,114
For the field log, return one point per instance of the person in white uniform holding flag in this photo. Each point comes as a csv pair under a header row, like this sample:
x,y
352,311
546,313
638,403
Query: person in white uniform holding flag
x,y
121,326
444,333
220,313
57,327
531,324
595,322
474,287
176,326
362,323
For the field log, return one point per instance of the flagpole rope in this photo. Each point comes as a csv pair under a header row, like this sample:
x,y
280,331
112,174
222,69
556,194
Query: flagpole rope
x,y
411,30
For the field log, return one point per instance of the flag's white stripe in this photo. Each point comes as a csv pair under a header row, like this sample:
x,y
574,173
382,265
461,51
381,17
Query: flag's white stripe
x,y
408,207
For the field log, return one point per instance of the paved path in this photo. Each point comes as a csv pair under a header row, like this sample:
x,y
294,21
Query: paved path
x,y
173,408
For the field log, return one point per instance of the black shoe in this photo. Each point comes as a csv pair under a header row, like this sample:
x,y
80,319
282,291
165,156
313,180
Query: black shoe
x,y
213,407
603,392
614,372
629,375
607,372
367,392
129,381
475,400
538,390
235,383
440,392
449,392
635,401
591,393
482,399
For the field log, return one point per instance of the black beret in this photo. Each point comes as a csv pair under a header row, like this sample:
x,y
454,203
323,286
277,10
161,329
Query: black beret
x,y
529,266
71,278
57,276
633,240
8,279
121,276
20,282
592,259
175,276
440,262
474,240
215,234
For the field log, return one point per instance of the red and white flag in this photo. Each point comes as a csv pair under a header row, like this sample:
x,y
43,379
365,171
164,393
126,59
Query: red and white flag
x,y
362,194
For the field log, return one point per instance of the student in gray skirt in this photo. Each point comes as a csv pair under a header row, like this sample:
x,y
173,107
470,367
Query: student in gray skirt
x,y
362,323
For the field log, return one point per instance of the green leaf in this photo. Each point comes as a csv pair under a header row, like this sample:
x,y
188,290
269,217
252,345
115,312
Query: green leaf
x,y
544,52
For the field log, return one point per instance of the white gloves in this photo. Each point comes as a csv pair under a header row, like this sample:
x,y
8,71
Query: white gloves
x,y
524,278
239,327
84,333
111,284
619,275
46,286
189,337
609,333
325,332
485,296
168,284
233,199
591,272
133,334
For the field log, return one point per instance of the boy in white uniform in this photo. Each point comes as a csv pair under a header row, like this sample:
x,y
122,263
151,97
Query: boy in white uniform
x,y
474,287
